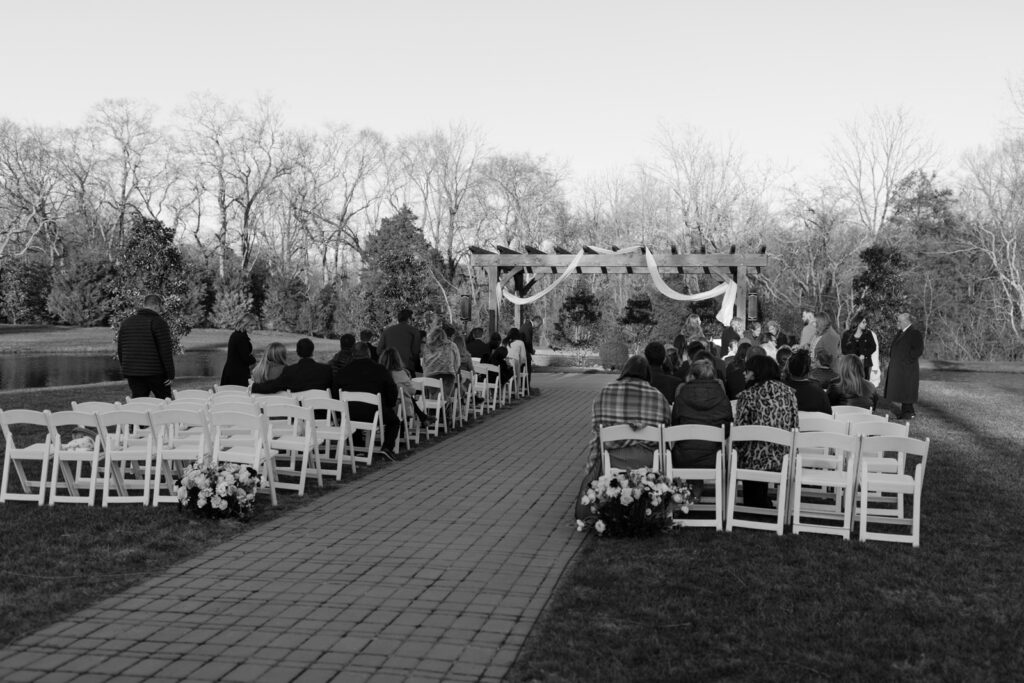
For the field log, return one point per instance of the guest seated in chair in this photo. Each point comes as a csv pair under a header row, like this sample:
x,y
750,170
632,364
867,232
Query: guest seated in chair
x,y
810,397
853,389
441,360
303,375
701,401
631,400
766,401
363,374
403,381
661,380
274,360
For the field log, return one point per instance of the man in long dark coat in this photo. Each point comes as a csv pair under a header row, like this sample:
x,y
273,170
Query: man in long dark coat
x,y
904,373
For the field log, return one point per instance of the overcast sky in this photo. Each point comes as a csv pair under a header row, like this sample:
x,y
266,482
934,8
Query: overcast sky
x,y
587,82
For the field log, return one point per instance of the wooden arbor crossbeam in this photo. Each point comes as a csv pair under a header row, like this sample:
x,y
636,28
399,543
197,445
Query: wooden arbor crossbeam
x,y
505,264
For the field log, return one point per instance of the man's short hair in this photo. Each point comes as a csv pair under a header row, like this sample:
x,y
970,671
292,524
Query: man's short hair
x,y
655,354
304,347
404,315
824,317
476,333
361,350
823,356
347,341
799,364
694,347
365,335
152,300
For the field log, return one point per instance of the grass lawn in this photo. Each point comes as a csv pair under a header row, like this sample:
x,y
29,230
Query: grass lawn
x,y
699,604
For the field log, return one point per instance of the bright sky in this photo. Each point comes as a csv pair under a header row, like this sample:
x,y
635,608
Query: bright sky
x,y
587,82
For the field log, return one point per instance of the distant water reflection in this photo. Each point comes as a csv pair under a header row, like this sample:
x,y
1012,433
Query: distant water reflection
x,y
22,371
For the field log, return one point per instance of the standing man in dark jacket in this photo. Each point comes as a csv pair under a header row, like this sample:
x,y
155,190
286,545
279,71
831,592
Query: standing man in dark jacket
x,y
145,351
904,374
404,338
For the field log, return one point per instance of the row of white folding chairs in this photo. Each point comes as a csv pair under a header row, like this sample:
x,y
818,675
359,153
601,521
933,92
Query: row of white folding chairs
x,y
833,464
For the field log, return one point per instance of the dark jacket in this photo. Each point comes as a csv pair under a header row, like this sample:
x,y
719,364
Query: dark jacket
x,y
699,402
342,358
403,338
826,378
865,346
144,346
478,348
306,374
904,373
236,367
735,380
665,383
810,397
363,374
867,399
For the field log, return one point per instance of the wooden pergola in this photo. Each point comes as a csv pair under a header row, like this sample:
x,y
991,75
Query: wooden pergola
x,y
503,265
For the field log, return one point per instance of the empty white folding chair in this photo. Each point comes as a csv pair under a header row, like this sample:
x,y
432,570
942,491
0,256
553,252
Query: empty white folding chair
x,y
128,452
36,450
883,428
881,474
373,429
433,403
410,433
469,395
608,436
202,394
241,438
857,418
294,451
849,410
182,438
230,389
758,433
81,450
147,401
825,471
487,379
524,380
716,474
335,431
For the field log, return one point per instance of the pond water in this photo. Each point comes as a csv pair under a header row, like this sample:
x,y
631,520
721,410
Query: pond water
x,y
22,371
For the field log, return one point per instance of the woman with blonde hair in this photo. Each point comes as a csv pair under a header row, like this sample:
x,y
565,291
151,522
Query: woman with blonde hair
x,y
272,364
852,389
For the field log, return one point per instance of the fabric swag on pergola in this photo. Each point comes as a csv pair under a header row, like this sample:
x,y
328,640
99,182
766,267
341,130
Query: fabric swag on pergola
x,y
507,265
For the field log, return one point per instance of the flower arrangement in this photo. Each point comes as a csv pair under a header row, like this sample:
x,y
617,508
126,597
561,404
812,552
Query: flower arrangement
x,y
634,503
217,491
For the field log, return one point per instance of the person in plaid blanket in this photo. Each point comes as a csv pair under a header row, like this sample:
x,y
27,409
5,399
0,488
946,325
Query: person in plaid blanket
x,y
631,400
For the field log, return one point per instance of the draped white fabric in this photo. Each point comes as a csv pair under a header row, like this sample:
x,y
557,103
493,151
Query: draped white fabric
x,y
727,290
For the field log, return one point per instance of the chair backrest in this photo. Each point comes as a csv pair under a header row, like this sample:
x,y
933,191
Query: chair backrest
x,y
781,437
820,422
874,428
148,401
69,418
876,446
669,435
265,400
849,410
178,415
828,443
93,407
363,397
230,389
203,394
22,416
233,403
624,432
432,383
312,393
854,418
248,448
115,426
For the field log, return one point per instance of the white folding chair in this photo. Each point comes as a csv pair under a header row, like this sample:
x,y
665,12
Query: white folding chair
x,y
883,428
758,433
34,452
820,422
410,425
146,401
884,475
230,389
301,396
373,428
849,410
469,395
335,429
487,388
524,380
128,452
299,445
241,438
826,466
857,418
202,394
182,438
614,433
77,451
676,433
433,402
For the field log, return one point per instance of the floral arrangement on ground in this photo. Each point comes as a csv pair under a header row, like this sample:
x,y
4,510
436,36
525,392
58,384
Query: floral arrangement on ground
x,y
639,502
218,491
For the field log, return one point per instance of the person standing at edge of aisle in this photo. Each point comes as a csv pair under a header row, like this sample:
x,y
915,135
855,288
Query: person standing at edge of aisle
x,y
144,350
404,338
903,376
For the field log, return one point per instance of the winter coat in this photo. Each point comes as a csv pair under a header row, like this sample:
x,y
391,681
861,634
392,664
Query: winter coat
x,y
904,373
699,402
144,346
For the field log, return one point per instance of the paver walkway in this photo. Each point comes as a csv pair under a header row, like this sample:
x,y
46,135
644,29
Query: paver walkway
x,y
433,568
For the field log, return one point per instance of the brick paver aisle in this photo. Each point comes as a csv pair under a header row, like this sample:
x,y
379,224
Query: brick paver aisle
x,y
434,568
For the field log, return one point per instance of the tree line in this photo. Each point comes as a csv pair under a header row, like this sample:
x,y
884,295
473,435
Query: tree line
x,y
310,228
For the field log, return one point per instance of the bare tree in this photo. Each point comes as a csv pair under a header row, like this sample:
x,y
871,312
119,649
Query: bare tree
x,y
870,158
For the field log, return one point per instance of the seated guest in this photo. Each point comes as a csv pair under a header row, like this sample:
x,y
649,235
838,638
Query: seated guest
x,y
465,357
631,400
810,397
661,380
852,389
305,374
701,401
782,357
736,372
275,358
822,372
696,348
366,336
403,381
498,355
768,344
440,359
671,364
344,355
769,402
363,374
478,348
517,355
734,345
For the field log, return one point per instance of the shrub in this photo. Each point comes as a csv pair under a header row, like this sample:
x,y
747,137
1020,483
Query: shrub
x,y
613,353
80,292
25,285
285,307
